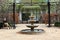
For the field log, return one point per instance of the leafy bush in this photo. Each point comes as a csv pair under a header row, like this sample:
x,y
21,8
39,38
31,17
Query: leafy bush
x,y
57,24
1,25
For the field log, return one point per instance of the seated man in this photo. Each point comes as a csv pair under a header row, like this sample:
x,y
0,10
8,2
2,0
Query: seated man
x,y
5,24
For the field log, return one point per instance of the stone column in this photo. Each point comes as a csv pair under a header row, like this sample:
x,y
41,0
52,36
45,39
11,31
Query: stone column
x,y
20,16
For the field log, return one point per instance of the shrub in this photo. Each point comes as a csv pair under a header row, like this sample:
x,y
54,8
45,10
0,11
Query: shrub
x,y
1,25
57,24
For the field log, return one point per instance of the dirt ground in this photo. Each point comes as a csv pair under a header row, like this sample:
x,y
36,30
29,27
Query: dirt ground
x,y
52,33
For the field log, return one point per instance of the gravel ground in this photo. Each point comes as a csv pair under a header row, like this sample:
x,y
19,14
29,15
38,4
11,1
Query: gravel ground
x,y
52,33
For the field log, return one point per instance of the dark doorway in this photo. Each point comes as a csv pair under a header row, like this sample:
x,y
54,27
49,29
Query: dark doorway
x,y
25,16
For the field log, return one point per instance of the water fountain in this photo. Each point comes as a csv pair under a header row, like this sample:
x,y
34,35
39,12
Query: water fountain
x,y
32,26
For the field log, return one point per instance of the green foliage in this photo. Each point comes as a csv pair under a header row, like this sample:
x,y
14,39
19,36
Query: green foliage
x,y
4,6
18,7
1,25
10,1
57,24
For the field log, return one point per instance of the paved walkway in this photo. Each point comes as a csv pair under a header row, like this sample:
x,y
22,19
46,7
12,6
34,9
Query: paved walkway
x,y
51,33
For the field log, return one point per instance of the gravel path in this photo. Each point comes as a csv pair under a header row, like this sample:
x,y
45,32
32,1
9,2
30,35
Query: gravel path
x,y
52,33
